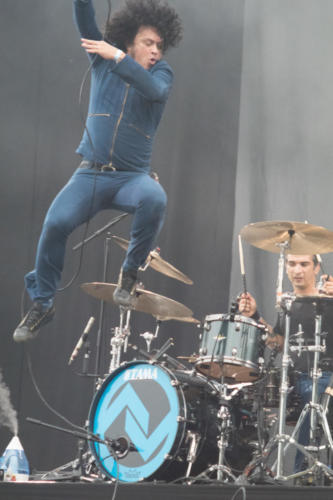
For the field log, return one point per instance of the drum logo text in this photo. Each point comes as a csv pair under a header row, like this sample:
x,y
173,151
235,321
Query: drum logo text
x,y
141,374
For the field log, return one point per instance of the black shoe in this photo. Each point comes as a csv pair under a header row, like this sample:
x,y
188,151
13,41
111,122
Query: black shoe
x,y
32,322
124,293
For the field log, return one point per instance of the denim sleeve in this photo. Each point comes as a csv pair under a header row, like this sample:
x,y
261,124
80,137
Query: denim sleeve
x,y
154,85
84,18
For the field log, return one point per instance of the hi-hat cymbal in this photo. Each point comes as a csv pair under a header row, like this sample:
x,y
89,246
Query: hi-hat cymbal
x,y
304,239
155,261
145,301
315,299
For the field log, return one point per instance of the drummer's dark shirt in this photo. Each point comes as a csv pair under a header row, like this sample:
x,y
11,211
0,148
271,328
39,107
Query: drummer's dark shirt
x,y
303,313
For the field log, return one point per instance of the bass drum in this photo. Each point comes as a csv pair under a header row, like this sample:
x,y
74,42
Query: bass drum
x,y
153,415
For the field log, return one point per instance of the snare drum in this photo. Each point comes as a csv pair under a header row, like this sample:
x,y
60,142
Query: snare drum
x,y
155,416
231,347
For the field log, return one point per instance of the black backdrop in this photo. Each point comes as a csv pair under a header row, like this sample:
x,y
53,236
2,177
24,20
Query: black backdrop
x,y
195,155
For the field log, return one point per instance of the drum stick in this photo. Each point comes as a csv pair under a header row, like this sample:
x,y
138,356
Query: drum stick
x,y
324,276
241,259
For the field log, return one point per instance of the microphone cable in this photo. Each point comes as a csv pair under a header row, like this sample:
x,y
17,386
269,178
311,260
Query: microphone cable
x,y
44,401
92,198
82,118
66,420
76,274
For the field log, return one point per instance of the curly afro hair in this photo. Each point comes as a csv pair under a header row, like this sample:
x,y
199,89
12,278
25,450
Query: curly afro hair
x,y
123,26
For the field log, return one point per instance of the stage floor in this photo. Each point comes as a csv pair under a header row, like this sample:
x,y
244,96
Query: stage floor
x,y
104,491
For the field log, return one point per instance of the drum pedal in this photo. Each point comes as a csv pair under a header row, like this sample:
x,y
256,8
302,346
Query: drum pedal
x,y
194,439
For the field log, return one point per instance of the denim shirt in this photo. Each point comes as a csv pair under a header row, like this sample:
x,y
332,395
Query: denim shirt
x,y
125,105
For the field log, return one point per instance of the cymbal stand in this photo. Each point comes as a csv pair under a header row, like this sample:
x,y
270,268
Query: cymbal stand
x,y
119,341
149,337
279,283
316,410
284,388
280,437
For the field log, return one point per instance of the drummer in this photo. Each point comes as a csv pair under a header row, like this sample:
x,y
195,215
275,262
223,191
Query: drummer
x,y
302,271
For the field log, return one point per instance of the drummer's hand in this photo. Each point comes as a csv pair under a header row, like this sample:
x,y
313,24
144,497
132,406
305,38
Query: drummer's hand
x,y
247,305
274,341
327,286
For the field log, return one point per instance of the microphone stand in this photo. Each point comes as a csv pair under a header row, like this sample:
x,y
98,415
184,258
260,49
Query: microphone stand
x,y
78,470
104,278
100,231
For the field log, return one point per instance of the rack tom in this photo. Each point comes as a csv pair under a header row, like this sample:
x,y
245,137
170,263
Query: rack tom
x,y
232,347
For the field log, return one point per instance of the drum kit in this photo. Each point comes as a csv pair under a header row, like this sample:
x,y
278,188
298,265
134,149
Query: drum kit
x,y
185,419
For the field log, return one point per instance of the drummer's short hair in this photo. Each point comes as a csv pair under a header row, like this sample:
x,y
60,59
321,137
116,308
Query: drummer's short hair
x,y
314,259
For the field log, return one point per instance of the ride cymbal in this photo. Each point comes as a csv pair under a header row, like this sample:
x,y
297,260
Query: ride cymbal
x,y
156,262
145,301
304,239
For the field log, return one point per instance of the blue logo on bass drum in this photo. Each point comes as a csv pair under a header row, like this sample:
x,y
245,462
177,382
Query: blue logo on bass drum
x,y
140,404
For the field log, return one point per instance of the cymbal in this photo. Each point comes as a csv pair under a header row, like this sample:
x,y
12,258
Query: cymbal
x,y
145,301
304,239
155,261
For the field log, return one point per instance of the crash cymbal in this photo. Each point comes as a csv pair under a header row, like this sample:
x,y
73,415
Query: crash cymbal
x,y
304,239
155,261
145,301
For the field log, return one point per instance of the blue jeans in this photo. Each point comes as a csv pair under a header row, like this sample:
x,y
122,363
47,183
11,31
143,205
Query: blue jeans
x,y
304,390
131,192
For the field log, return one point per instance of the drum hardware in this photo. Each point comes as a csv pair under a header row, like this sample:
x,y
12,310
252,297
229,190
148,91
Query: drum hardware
x,y
316,411
173,363
149,336
302,238
119,341
326,364
156,356
167,360
193,438
224,415
168,417
155,261
299,238
231,348
104,278
152,303
81,467
162,308
280,438
284,245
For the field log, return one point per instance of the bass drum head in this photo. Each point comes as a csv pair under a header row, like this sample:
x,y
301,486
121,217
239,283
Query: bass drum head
x,y
137,405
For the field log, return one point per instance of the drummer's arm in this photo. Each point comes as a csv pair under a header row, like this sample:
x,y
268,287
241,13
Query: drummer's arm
x,y
247,306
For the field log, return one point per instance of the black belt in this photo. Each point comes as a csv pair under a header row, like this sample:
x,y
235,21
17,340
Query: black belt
x,y
100,167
